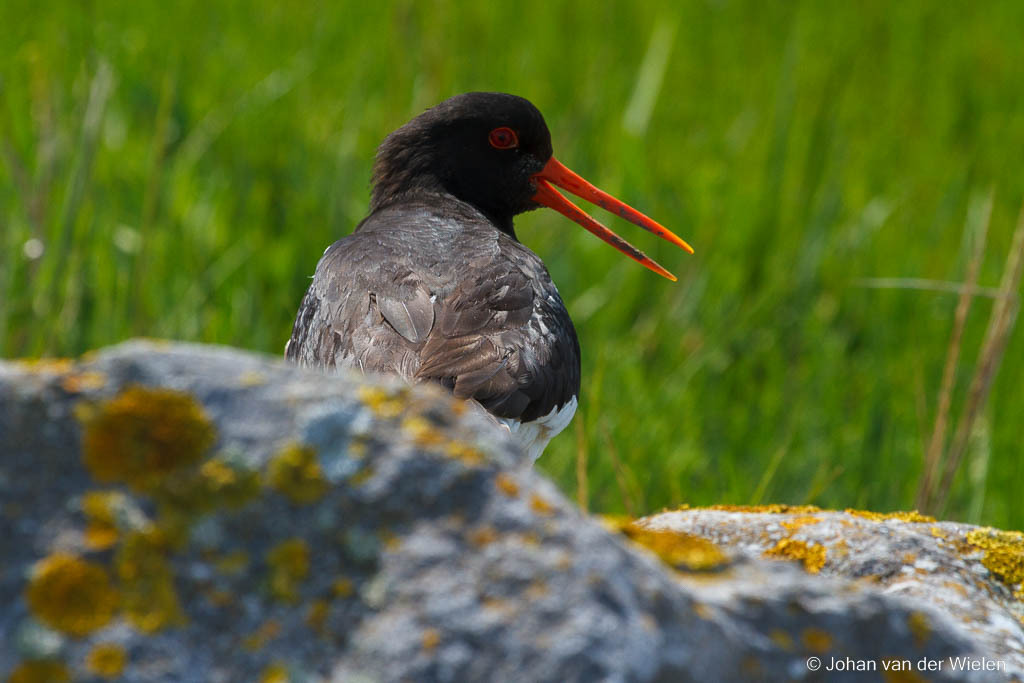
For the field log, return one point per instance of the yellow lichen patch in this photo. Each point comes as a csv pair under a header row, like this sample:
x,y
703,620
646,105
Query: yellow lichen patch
x,y
937,532
289,566
467,453
920,627
774,508
816,640
537,589
422,432
390,539
1004,554
40,671
147,582
232,563
296,472
893,673
80,382
143,434
431,639
507,485
903,516
252,378
276,672
227,484
107,660
71,595
101,528
530,538
782,639
343,587
797,522
46,366
541,506
812,555
677,549
258,639
316,615
839,548
384,404
220,597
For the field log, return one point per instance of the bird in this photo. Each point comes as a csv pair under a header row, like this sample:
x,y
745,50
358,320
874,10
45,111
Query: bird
x,y
434,286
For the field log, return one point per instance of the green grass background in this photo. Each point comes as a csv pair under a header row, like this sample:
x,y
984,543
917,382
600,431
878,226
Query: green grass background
x,y
799,146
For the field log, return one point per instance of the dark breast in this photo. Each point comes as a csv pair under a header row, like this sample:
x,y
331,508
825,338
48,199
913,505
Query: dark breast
x,y
436,293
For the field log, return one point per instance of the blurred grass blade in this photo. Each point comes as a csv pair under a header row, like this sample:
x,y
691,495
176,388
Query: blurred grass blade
x,y
649,79
978,217
61,244
582,495
768,475
1001,321
927,285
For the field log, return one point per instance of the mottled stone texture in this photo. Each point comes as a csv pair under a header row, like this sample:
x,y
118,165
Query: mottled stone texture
x,y
188,513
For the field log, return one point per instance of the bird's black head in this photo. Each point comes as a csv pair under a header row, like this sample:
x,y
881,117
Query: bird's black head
x,y
480,147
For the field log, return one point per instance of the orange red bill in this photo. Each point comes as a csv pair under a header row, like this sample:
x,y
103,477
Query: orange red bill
x,y
555,173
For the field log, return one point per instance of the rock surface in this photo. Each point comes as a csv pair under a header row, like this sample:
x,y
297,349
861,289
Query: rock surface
x,y
188,513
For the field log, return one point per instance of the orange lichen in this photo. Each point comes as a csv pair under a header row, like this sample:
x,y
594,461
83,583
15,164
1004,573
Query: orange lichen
x,y
252,378
232,563
143,434
385,404
71,595
677,549
220,597
812,555
541,506
224,483
816,640
423,433
276,672
893,672
106,660
703,611
316,615
774,508
537,589
431,639
343,587
782,639
101,529
507,485
47,366
466,453
920,627
40,671
483,535
797,522
258,639
80,382
289,566
1004,554
296,472
912,516
147,581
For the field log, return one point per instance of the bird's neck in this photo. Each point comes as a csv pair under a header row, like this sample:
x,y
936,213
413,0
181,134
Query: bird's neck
x,y
435,195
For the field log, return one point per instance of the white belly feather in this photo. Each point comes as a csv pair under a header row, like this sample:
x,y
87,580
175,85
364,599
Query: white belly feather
x,y
534,436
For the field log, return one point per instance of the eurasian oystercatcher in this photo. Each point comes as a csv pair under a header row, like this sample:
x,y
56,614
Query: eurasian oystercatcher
x,y
433,284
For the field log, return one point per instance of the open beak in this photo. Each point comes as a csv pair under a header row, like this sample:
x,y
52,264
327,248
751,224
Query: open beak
x,y
556,173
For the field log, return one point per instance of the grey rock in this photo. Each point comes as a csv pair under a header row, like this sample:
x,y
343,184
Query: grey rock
x,y
315,527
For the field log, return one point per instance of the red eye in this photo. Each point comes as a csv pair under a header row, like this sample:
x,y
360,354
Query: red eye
x,y
503,138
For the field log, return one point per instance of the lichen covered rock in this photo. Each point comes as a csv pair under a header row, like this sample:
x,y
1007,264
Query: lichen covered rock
x,y
188,513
